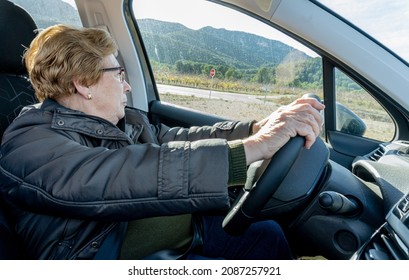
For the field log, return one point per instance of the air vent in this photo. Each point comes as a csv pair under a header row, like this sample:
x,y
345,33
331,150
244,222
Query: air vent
x,y
378,153
383,247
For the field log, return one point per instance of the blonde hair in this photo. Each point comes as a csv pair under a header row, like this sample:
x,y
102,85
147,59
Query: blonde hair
x,y
60,54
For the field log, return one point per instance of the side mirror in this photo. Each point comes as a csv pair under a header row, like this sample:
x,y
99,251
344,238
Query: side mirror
x,y
349,122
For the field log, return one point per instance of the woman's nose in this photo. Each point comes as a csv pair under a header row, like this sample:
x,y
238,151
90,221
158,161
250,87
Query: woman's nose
x,y
127,87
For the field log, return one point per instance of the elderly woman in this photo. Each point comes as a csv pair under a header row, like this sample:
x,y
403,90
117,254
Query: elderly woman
x,y
89,178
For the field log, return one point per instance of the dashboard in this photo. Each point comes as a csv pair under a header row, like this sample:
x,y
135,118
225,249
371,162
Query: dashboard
x,y
388,167
361,214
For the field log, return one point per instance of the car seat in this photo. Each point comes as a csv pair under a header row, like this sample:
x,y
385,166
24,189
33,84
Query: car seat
x,y
17,30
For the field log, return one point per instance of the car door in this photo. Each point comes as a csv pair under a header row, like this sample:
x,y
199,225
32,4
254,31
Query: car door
x,y
209,62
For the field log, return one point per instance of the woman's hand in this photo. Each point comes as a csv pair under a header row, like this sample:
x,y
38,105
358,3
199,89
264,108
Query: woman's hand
x,y
300,117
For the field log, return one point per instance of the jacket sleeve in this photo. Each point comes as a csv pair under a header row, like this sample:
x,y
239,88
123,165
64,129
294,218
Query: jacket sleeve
x,y
229,130
46,171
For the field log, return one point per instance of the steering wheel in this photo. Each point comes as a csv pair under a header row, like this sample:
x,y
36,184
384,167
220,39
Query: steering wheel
x,y
250,202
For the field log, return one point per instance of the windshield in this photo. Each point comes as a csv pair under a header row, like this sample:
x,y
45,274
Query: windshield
x,y
384,20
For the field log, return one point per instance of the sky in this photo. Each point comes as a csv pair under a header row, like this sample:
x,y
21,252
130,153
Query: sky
x,y
386,20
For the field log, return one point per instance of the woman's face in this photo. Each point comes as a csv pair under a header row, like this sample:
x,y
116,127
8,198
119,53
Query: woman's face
x,y
108,95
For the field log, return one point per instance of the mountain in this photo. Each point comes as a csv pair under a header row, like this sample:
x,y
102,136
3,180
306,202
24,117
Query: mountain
x,y
169,42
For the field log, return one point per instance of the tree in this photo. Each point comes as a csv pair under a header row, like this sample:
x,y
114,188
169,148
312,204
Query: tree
x,y
264,76
233,74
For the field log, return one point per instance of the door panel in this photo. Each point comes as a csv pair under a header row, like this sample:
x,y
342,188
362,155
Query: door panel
x,y
345,147
172,115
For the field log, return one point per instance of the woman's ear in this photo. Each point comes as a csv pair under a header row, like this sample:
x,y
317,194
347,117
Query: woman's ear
x,y
82,90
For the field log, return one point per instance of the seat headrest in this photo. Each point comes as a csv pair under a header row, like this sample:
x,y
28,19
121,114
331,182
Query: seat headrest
x,y
17,30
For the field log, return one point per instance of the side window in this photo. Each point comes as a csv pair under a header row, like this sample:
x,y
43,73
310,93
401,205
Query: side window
x,y
61,12
358,113
216,60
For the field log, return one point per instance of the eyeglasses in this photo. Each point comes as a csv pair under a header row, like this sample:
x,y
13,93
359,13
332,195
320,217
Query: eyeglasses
x,y
121,72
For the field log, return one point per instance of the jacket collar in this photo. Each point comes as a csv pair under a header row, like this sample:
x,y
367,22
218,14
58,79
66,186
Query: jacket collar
x,y
67,119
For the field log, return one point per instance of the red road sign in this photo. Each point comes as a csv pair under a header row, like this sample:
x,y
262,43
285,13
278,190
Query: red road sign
x,y
212,72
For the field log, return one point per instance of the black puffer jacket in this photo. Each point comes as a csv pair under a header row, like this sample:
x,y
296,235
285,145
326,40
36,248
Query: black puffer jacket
x,y
72,179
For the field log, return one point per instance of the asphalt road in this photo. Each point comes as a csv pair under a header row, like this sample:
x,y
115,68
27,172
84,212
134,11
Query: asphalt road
x,y
209,94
